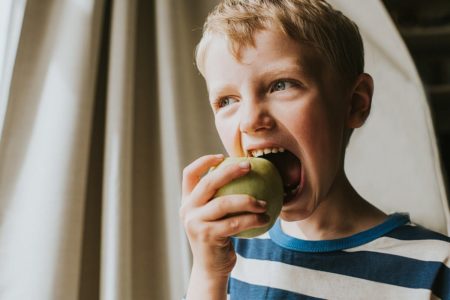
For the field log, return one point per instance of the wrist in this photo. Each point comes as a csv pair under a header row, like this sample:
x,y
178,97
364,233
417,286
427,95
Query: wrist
x,y
203,285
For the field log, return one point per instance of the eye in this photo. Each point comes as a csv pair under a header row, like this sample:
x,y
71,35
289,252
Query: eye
x,y
225,101
281,85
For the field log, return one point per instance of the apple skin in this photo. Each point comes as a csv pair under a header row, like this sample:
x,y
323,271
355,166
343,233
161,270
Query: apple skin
x,y
263,182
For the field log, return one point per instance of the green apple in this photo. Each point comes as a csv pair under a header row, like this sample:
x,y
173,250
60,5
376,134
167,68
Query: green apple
x,y
263,182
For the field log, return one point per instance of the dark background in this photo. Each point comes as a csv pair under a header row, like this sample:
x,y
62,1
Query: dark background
x,y
425,27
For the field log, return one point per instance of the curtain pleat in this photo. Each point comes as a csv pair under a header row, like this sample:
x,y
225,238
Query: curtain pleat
x,y
117,186
150,256
44,150
186,121
11,19
171,163
89,285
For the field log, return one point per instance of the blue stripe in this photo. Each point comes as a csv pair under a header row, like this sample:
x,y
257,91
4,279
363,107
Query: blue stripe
x,y
441,287
243,290
286,241
379,267
416,233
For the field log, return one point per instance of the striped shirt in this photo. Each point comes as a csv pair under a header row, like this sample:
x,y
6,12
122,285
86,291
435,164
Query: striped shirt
x,y
394,260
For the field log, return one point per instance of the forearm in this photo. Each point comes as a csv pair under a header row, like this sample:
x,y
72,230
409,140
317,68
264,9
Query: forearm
x,y
202,286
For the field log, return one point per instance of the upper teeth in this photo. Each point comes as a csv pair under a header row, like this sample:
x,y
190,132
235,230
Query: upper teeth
x,y
261,152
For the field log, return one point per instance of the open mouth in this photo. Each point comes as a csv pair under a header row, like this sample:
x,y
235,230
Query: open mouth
x,y
289,167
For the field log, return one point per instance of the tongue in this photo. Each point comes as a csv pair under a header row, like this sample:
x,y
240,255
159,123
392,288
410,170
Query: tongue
x,y
289,167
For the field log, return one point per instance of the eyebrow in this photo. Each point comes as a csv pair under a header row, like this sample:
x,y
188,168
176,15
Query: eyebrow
x,y
276,69
290,66
214,92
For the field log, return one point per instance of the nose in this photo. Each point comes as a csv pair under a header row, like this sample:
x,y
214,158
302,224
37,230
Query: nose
x,y
255,117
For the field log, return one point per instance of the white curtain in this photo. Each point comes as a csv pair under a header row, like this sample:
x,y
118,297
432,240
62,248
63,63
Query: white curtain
x,y
393,159
44,148
11,18
101,108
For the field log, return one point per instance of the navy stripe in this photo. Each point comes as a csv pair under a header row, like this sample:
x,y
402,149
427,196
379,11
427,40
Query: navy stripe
x,y
416,233
441,286
243,290
379,267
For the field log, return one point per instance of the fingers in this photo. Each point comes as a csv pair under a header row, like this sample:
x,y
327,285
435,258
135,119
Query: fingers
x,y
225,216
221,207
209,184
214,232
234,225
210,222
194,172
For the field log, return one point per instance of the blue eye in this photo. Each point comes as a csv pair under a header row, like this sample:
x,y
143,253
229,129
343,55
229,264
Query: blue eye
x,y
281,85
225,101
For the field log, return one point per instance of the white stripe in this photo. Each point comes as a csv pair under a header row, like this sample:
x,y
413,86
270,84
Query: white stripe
x,y
425,250
319,283
264,236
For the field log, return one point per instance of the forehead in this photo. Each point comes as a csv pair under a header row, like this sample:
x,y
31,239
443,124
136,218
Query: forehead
x,y
272,51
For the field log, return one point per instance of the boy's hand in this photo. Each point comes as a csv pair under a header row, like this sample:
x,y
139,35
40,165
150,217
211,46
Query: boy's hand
x,y
209,222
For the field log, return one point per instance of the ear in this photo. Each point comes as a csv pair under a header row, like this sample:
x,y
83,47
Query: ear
x,y
360,101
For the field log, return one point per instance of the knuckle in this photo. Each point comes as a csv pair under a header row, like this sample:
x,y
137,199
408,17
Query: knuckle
x,y
182,212
185,208
191,227
207,183
223,204
199,231
188,223
231,169
187,171
249,201
234,223
204,233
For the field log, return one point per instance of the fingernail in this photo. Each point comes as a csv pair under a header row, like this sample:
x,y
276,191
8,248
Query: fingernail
x,y
219,156
262,203
244,164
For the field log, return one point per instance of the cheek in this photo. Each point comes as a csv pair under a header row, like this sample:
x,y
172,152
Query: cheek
x,y
318,133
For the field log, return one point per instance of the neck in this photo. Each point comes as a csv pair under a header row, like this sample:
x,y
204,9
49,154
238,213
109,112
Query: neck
x,y
343,213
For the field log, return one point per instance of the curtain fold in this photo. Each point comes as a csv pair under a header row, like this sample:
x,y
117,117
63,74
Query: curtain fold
x,y
11,19
44,148
186,122
116,272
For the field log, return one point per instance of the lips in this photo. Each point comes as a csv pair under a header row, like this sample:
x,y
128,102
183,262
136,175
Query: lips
x,y
288,165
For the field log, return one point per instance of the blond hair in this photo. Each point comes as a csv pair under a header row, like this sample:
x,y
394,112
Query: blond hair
x,y
311,22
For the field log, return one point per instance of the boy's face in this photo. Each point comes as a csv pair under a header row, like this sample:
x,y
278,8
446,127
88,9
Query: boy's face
x,y
281,94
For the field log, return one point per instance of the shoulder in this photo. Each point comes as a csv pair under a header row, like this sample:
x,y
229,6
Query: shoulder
x,y
411,241
412,232
415,236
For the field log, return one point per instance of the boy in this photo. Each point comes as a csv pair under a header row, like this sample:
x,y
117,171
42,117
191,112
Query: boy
x,y
289,75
